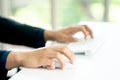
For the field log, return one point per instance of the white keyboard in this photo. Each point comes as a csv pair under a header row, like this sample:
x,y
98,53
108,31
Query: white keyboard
x,y
87,46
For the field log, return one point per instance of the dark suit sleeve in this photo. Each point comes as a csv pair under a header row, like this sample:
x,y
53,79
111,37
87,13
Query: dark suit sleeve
x,y
20,34
3,58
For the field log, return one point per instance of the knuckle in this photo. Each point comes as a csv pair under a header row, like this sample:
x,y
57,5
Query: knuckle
x,y
64,48
57,54
84,25
83,28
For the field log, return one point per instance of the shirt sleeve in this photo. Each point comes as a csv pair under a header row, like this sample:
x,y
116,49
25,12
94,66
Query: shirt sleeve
x,y
3,58
21,34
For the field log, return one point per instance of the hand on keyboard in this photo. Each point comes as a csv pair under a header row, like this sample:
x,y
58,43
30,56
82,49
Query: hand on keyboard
x,y
86,46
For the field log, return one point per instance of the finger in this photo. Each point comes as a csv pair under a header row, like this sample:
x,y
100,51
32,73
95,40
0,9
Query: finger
x,y
46,62
85,32
57,55
89,31
66,52
51,67
60,59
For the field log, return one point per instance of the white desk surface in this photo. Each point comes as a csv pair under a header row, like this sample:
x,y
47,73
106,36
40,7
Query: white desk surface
x,y
103,65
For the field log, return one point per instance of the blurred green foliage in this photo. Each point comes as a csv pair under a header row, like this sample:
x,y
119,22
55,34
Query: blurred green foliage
x,y
68,11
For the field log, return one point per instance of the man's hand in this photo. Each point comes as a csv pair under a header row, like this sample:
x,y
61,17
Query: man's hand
x,y
40,57
66,34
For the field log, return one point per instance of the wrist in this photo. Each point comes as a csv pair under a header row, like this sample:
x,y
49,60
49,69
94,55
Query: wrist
x,y
49,35
13,60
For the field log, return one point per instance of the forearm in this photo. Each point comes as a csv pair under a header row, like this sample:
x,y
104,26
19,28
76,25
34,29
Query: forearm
x,y
20,34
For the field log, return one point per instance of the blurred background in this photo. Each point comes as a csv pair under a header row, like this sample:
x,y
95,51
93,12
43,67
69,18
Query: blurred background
x,y
60,13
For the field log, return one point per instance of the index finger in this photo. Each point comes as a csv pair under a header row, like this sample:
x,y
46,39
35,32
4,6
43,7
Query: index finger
x,y
66,52
89,31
